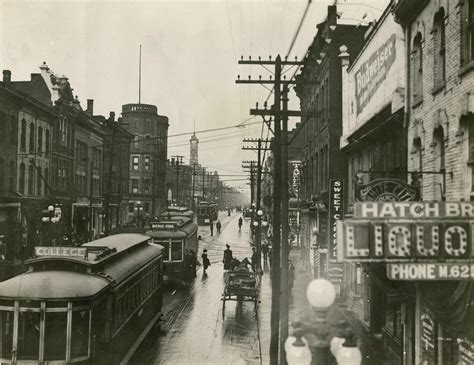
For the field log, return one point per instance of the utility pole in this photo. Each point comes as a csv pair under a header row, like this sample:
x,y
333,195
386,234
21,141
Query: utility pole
x,y
284,227
91,191
203,182
276,342
178,162
259,189
194,184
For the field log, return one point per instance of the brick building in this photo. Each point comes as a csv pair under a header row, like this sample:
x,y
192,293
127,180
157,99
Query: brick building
x,y
439,105
318,87
148,156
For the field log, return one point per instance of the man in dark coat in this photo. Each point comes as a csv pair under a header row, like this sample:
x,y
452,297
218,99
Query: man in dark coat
x,y
205,260
211,226
218,226
265,251
227,260
254,260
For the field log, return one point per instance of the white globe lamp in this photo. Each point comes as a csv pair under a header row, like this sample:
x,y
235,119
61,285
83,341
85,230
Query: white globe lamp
x,y
349,353
260,212
335,345
50,208
321,293
264,223
298,352
255,223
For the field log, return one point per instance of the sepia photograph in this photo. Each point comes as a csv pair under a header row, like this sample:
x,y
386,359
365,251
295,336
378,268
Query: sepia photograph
x,y
237,182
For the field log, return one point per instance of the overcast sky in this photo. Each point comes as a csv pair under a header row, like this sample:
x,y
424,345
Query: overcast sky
x,y
189,58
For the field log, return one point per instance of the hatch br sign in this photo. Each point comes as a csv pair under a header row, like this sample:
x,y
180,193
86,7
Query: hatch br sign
x,y
425,233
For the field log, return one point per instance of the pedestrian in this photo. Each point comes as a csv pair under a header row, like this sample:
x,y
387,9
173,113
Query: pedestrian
x,y
270,255
194,262
291,275
265,252
205,260
228,258
218,226
211,226
240,223
254,260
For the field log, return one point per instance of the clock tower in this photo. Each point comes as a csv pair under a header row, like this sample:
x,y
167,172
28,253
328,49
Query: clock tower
x,y
193,155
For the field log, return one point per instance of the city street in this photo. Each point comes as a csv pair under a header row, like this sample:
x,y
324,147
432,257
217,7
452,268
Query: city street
x,y
194,330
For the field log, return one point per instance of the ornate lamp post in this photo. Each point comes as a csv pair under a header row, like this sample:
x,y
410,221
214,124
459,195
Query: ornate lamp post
x,y
316,338
258,223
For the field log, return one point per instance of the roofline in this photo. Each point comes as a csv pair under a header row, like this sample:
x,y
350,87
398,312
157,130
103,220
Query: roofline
x,y
19,94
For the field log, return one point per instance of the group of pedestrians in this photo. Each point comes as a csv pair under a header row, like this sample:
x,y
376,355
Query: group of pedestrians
x,y
218,227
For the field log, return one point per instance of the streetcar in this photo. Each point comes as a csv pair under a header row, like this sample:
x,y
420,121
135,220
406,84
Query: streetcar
x,y
178,235
90,304
177,211
206,212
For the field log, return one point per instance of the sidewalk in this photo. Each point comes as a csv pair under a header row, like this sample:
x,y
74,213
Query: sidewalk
x,y
373,351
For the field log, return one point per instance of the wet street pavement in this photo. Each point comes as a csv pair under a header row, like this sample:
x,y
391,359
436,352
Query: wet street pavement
x,y
194,330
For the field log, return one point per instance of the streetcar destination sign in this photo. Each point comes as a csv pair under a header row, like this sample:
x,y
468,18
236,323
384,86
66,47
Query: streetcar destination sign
x,y
430,271
61,251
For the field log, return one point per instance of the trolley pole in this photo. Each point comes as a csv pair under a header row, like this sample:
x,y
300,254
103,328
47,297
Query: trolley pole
x,y
194,184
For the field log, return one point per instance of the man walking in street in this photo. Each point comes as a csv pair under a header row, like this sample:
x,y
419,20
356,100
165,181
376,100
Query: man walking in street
x,y
218,226
211,226
240,223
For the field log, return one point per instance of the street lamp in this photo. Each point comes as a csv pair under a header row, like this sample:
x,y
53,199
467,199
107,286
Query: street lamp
x,y
258,223
325,333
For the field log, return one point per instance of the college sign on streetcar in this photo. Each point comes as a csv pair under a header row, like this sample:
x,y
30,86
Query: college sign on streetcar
x,y
418,240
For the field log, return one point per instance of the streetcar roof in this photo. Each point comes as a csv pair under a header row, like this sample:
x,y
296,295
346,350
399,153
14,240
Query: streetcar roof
x,y
101,250
53,285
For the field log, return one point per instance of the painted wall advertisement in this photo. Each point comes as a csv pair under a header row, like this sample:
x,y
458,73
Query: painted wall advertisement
x,y
371,73
336,212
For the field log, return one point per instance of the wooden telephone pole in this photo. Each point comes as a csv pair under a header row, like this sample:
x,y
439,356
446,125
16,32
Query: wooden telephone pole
x,y
280,113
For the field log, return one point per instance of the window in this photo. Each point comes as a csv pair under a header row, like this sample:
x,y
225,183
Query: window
x,y
22,178
80,333
3,127
62,130
46,177
135,163
28,335
81,151
47,141
13,131
97,157
32,138
135,186
417,70
40,140
6,330
55,336
135,142
467,48
31,180
11,177
2,175
38,182
439,51
147,163
148,144
23,135
176,251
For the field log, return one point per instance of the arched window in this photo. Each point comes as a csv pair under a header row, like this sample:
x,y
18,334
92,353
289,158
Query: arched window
x,y
40,140
39,182
439,50
417,156
2,175
21,184
417,70
32,137
3,127
439,160
13,131
31,180
11,177
467,32
47,141
23,135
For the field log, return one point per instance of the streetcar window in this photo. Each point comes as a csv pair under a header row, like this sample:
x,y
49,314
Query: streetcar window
x,y
55,336
6,334
177,251
80,334
166,250
28,335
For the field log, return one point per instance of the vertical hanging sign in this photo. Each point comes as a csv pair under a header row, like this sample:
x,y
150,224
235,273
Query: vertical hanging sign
x,y
336,212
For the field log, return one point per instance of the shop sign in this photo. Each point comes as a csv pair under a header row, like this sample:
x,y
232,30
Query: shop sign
x,y
336,276
80,252
296,176
372,73
430,271
400,232
336,211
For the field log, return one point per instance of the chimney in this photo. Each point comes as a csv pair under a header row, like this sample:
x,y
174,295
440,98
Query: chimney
x,y
112,116
90,106
7,76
